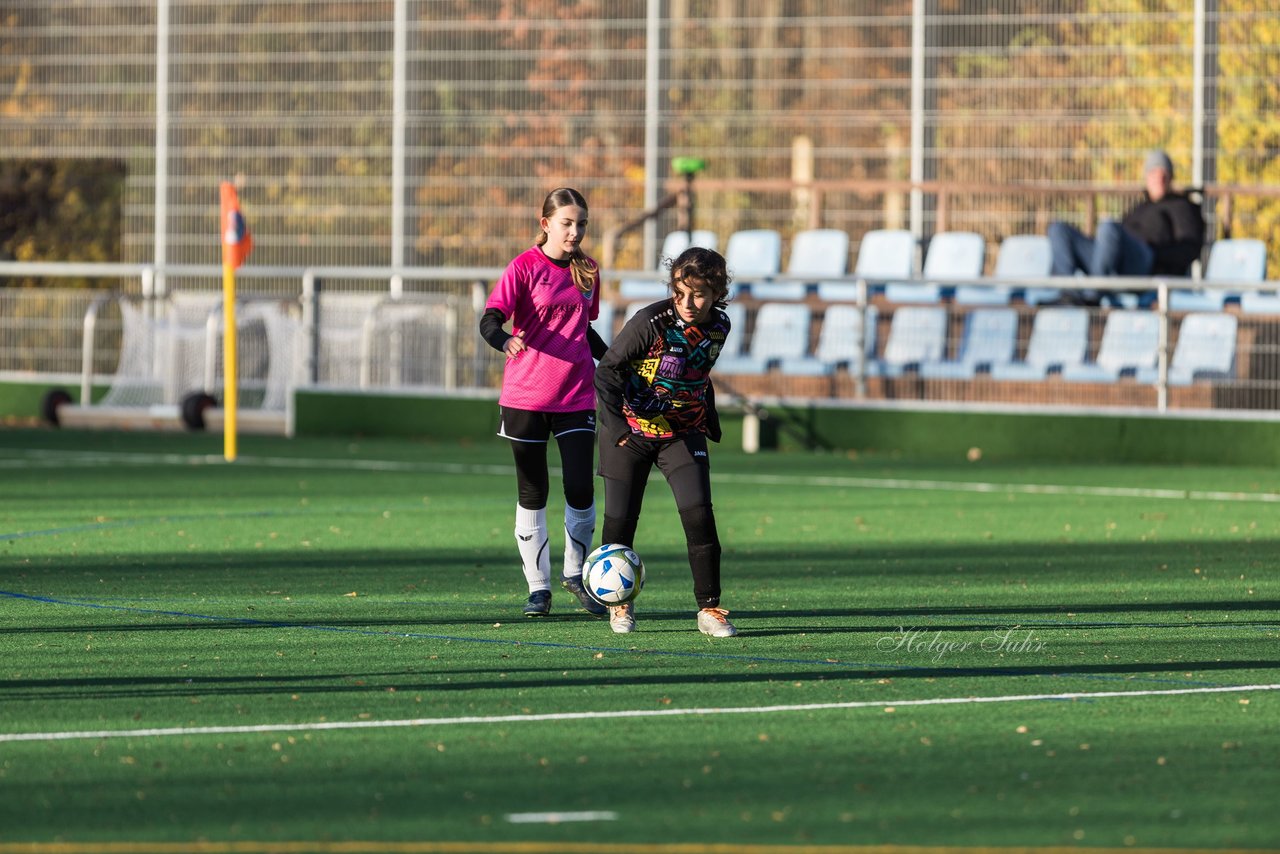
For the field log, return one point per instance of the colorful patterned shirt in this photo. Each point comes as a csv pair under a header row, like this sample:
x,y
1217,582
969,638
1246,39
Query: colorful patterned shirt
x,y
655,381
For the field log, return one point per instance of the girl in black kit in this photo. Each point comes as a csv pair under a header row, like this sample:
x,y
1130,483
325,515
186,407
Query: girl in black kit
x,y
656,406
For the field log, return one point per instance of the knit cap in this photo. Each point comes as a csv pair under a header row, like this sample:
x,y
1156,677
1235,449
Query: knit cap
x,y
1158,160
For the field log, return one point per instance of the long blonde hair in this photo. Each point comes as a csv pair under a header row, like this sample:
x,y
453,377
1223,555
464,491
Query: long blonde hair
x,y
581,267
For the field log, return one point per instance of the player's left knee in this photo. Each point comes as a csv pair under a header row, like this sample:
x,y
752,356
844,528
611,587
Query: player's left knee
x,y
700,527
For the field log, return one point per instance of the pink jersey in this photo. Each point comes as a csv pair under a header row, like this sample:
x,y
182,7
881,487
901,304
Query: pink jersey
x,y
546,309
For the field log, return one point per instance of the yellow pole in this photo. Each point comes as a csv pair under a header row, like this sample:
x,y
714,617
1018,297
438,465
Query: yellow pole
x,y
229,375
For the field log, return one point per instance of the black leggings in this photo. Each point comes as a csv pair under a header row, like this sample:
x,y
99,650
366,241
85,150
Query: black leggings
x,y
533,483
684,464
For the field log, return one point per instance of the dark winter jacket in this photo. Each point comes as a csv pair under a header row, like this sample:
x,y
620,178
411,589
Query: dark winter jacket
x,y
1173,227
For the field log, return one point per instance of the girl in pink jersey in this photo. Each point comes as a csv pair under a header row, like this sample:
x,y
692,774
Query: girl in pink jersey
x,y
550,293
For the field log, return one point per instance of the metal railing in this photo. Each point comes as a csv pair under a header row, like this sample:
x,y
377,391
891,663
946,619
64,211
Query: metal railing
x,y
51,332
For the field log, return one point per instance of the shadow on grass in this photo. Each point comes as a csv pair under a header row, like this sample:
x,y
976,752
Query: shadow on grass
x,y
515,679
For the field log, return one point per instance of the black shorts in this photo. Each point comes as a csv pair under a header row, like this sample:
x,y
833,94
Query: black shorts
x,y
635,458
523,425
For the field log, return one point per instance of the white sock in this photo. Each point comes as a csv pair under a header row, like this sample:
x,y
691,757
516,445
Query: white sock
x,y
579,528
531,539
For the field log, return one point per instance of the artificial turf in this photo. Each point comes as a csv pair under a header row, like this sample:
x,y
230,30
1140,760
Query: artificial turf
x,y
891,613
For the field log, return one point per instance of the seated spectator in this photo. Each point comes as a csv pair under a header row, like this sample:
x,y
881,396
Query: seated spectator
x,y
1161,236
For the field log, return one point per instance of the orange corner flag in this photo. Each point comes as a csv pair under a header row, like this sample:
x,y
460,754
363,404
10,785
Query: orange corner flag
x,y
236,240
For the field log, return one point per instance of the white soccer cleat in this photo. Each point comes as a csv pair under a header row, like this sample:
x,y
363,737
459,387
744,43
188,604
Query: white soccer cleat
x,y
622,618
715,622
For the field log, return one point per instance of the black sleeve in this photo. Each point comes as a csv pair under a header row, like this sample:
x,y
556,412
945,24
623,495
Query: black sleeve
x,y
1187,223
613,372
596,343
713,417
491,329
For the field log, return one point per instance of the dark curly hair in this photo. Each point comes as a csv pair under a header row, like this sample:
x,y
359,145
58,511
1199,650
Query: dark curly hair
x,y
705,266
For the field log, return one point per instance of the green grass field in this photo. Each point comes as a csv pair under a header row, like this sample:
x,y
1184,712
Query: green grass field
x,y
320,648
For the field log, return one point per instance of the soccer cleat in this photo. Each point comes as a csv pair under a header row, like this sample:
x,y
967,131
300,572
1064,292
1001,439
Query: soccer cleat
x,y
622,618
573,583
715,622
539,604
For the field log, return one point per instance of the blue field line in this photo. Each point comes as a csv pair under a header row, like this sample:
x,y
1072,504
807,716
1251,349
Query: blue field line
x,y
756,659
149,520
204,517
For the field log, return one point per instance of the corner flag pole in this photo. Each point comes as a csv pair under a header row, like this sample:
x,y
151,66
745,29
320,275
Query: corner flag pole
x,y
229,374
236,245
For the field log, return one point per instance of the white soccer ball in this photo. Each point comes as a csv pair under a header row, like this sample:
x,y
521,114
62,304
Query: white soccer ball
x,y
613,574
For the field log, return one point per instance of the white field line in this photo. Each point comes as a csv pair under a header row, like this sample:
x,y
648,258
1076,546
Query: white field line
x,y
45,458
558,817
488,720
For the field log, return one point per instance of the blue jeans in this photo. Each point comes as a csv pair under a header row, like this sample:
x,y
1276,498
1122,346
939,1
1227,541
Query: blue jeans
x,y
1112,252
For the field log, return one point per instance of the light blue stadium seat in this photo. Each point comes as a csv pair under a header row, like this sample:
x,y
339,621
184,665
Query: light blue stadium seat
x,y
632,308
781,331
818,253
1027,256
990,336
674,243
1206,350
1130,343
917,335
678,241
885,253
1059,337
642,289
837,343
951,255
1260,302
737,334
1019,256
1240,259
603,324
752,254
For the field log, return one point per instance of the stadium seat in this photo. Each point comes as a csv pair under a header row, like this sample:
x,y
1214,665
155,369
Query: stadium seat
x,y
781,331
738,321
1130,342
820,253
1260,302
1019,256
1206,350
753,254
603,324
1233,260
1059,337
634,307
837,343
674,243
1026,256
917,334
950,255
678,241
885,253
990,336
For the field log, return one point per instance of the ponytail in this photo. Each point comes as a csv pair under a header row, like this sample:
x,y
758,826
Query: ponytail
x,y
583,270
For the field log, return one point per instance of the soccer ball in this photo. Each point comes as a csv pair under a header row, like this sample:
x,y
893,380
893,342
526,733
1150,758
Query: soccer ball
x,y
613,574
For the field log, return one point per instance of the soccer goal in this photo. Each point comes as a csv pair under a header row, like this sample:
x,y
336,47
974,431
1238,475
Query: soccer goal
x,y
169,374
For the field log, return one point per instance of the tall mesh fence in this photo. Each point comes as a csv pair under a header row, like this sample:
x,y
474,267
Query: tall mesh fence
x,y
504,99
